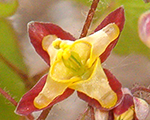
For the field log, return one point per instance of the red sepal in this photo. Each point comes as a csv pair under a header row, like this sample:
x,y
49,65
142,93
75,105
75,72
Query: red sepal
x,y
38,30
26,106
118,18
114,84
125,104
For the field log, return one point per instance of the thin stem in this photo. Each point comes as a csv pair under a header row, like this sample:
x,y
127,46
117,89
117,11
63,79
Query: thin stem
x,y
44,114
89,111
82,116
16,70
30,117
92,112
8,97
140,88
89,18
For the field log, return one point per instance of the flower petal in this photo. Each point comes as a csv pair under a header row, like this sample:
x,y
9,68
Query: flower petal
x,y
50,91
141,108
144,28
116,87
26,106
38,30
125,104
101,115
100,40
118,18
97,87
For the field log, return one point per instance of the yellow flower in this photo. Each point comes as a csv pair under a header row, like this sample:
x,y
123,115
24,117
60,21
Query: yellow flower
x,y
76,65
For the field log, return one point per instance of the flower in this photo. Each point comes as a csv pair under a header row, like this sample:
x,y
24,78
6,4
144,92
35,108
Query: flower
x,y
130,108
144,28
75,65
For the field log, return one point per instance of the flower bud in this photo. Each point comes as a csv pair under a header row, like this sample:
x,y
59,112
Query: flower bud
x,y
144,28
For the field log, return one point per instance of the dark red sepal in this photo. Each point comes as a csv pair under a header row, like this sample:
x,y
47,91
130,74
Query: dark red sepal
x,y
125,104
118,18
114,84
38,30
26,106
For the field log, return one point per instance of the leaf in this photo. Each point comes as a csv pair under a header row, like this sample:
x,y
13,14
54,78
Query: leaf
x,y
129,41
8,78
8,8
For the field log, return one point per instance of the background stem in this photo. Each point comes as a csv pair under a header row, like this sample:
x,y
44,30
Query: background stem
x,y
89,18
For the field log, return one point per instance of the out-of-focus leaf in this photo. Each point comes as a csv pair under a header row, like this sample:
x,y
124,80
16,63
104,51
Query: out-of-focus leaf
x,y
129,42
8,8
8,78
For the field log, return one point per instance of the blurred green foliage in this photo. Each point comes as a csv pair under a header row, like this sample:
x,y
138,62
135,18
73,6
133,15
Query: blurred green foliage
x,y
8,8
9,49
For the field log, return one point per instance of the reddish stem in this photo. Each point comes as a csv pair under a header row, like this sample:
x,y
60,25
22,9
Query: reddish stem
x,y
140,88
44,114
89,18
84,113
92,113
89,111
8,97
30,117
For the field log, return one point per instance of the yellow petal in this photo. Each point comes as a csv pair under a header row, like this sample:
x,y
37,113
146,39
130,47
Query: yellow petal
x,y
100,40
128,115
59,72
82,48
51,90
97,87
47,46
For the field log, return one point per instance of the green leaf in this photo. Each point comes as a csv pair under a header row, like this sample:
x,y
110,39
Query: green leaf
x,y
8,8
129,41
8,78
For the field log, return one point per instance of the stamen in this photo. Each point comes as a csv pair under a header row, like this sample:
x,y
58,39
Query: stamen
x,y
57,43
47,41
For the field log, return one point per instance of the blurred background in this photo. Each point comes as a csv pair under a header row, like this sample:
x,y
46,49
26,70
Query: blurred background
x,y
129,62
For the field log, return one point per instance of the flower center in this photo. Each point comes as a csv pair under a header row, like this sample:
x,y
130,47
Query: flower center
x,y
71,59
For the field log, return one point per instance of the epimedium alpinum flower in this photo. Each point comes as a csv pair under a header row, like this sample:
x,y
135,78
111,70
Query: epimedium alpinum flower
x,y
80,63
74,65
130,108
